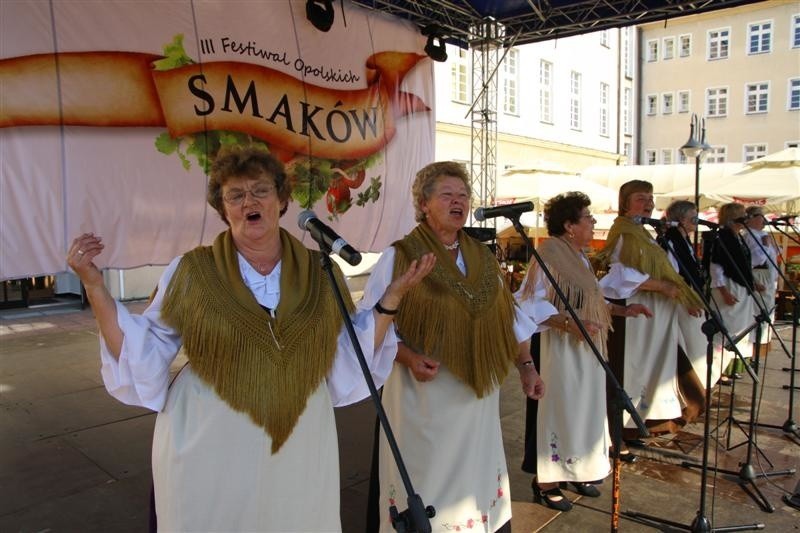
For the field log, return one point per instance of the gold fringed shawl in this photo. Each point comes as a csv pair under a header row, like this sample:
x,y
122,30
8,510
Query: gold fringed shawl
x,y
576,281
229,339
466,322
639,251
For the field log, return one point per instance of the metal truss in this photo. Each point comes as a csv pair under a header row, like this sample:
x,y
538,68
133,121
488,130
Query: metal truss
x,y
486,59
541,20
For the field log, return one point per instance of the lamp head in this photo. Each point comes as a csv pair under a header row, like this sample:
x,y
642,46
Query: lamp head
x,y
435,47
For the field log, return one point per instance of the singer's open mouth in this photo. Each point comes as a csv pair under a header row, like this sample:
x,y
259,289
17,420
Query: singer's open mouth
x,y
252,217
457,212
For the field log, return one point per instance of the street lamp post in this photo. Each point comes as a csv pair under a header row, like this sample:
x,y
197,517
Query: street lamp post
x,y
697,149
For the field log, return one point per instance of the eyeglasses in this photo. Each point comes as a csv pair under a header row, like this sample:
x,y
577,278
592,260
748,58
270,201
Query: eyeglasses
x,y
236,196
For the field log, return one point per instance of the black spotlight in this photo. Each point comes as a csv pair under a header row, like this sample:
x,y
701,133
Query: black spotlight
x,y
435,46
320,13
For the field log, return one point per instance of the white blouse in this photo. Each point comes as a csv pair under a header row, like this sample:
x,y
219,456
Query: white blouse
x,y
141,375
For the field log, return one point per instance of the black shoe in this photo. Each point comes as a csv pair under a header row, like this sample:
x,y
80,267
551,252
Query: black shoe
x,y
549,498
585,489
627,457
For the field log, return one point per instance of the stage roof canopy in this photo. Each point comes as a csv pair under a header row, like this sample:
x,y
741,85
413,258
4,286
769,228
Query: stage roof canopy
x,y
528,21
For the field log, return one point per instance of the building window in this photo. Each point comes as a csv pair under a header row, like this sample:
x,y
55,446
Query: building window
x,y
669,48
717,154
795,33
604,38
626,111
459,75
759,37
546,91
652,104
682,159
718,43
649,157
510,81
792,144
627,151
666,103
652,50
604,109
717,102
684,101
685,43
666,156
794,94
754,151
575,100
627,56
757,97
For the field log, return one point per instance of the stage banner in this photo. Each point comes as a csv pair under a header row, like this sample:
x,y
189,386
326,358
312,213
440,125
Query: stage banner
x,y
112,111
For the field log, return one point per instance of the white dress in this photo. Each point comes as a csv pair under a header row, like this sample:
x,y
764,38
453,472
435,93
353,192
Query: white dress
x,y
450,440
572,439
768,276
650,374
736,318
212,467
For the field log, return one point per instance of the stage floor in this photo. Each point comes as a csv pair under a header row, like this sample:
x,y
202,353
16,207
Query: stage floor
x,y
74,459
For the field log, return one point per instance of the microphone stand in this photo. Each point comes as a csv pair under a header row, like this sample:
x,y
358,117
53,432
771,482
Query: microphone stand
x,y
777,227
621,399
701,523
747,473
789,426
417,517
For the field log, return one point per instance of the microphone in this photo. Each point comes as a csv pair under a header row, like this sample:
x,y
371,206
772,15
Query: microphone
x,y
706,223
786,220
508,211
327,238
657,223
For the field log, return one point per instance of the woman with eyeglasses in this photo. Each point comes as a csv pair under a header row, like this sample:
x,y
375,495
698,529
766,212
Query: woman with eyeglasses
x,y
245,436
643,353
566,431
692,343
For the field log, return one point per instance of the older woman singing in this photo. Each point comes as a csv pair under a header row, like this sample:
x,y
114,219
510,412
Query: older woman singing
x,y
570,439
461,334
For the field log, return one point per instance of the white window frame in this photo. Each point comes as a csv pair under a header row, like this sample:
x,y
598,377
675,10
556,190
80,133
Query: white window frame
x,y
511,82
791,144
459,72
650,157
667,103
756,93
668,48
545,91
762,35
627,122
666,156
720,96
717,154
794,32
652,50
651,105
575,79
793,94
718,39
604,38
627,151
756,150
605,91
681,106
627,52
685,52
682,159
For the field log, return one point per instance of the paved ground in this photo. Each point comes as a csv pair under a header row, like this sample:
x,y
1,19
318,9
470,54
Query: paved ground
x,y
74,459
